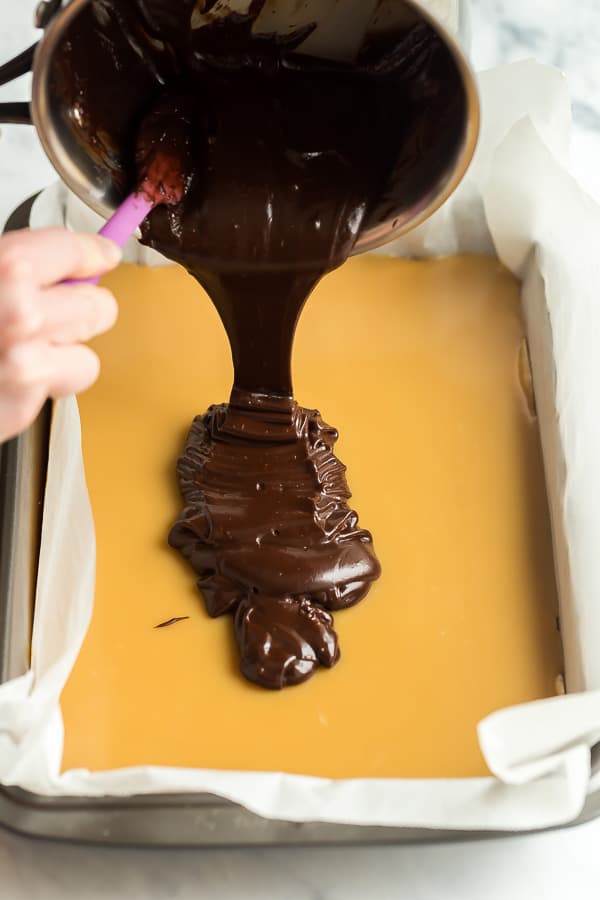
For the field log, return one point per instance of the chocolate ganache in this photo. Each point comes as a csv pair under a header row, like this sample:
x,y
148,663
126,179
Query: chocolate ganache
x,y
284,158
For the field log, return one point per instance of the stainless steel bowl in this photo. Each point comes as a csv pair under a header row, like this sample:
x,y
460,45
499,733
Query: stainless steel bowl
x,y
437,167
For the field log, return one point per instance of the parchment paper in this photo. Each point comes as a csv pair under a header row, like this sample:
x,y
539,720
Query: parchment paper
x,y
518,201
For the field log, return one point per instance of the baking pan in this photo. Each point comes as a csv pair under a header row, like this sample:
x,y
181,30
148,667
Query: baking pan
x,y
22,474
150,820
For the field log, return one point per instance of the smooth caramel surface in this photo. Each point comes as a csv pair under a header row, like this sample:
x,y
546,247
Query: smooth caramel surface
x,y
448,477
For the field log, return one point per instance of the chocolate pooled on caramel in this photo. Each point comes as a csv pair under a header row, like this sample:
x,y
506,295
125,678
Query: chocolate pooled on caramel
x,y
286,158
268,529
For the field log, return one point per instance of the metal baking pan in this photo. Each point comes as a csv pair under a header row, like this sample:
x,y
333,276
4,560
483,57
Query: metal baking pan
x,y
199,820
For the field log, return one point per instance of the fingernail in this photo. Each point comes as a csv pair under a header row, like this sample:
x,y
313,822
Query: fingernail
x,y
110,252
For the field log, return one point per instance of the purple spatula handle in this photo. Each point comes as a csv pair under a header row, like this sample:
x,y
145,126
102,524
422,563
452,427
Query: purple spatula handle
x,y
122,226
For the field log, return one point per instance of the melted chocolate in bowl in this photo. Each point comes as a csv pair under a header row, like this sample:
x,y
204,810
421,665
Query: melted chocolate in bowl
x,y
285,159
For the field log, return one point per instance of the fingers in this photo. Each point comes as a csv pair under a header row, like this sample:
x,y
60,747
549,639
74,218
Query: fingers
x,y
31,262
21,315
76,313
75,369
62,314
43,321
62,370
34,371
47,256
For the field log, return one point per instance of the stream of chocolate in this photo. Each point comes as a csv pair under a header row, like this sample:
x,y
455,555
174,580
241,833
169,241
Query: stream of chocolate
x,y
285,159
285,170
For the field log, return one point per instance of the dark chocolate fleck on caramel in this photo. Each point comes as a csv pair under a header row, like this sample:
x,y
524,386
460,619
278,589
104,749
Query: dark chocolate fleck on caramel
x,y
174,621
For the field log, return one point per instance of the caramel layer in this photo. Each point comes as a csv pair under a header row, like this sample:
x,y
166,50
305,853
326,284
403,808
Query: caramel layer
x,y
444,461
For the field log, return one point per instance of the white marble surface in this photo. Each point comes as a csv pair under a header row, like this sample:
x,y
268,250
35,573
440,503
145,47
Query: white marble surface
x,y
560,865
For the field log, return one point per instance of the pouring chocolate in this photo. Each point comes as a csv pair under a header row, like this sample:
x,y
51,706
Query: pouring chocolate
x,y
290,157
294,158
66,77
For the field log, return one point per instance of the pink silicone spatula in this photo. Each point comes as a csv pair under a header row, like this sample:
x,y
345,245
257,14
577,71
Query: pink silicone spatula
x,y
162,183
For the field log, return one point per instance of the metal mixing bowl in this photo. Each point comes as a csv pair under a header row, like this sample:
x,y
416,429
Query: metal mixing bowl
x,y
436,169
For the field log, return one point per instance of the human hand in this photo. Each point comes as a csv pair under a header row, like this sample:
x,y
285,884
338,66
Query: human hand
x,y
43,322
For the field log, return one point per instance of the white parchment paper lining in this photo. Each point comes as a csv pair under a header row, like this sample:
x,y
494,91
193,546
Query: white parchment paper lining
x,y
518,201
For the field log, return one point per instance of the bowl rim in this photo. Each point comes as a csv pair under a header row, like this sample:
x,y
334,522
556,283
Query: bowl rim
x,y
370,239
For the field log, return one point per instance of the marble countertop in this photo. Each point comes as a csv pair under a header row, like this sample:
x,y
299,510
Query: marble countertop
x,y
552,867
